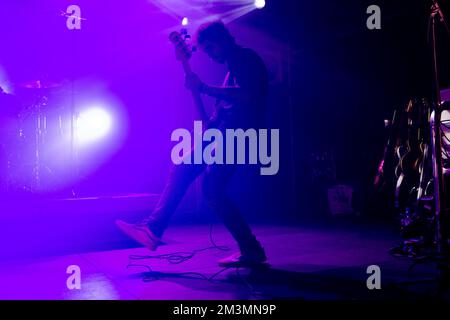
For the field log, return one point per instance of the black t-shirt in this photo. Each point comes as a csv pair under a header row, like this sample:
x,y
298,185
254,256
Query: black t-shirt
x,y
248,72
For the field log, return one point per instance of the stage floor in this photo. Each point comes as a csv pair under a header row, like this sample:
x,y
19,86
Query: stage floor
x,y
306,263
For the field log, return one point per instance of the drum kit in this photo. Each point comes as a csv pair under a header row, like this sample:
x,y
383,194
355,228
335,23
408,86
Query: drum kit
x,y
30,123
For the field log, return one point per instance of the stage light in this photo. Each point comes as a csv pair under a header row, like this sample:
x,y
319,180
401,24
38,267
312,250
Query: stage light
x,y
259,4
4,84
93,124
185,21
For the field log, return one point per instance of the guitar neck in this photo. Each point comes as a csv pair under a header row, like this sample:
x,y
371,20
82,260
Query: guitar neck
x,y
186,66
198,102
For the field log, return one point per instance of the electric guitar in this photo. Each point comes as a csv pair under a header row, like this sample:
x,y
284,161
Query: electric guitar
x,y
411,151
183,53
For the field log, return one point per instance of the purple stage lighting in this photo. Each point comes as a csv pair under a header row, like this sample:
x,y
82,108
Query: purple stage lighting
x,y
185,21
93,124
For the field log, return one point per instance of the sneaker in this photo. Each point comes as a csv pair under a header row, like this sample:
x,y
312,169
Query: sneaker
x,y
239,260
139,233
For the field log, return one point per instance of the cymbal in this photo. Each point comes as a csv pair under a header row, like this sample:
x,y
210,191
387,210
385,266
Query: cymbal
x,y
38,84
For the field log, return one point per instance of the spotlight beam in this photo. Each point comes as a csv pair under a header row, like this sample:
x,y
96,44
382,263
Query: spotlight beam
x,y
202,11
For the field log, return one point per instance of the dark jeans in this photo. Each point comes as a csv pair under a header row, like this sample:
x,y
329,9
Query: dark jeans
x,y
215,181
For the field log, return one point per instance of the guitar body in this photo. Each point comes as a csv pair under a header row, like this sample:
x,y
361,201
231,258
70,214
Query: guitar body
x,y
411,150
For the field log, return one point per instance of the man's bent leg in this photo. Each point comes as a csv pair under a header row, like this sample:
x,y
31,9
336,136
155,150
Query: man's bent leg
x,y
180,178
214,187
149,232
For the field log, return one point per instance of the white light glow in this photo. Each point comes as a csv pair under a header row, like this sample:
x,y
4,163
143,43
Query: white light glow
x,y
93,124
259,4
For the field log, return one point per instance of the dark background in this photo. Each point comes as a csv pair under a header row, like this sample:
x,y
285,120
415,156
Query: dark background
x,y
348,79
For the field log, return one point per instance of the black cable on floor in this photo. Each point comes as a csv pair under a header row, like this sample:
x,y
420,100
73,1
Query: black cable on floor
x,y
178,258
154,276
211,239
182,256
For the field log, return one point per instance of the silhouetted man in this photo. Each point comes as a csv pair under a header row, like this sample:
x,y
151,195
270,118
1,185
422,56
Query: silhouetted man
x,y
244,95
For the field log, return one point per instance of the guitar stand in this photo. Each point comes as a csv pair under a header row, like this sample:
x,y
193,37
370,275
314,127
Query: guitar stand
x,y
441,257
